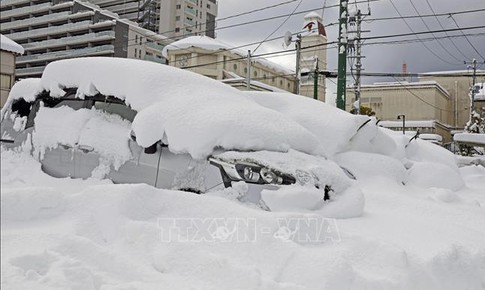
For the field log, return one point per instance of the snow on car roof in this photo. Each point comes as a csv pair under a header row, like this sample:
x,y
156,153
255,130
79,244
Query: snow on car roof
x,y
195,114
333,127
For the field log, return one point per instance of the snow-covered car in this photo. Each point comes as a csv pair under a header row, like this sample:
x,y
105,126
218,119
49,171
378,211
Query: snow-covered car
x,y
139,122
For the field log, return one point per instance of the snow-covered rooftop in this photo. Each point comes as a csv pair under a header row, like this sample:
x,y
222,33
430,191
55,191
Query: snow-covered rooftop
x,y
10,45
407,84
470,138
313,14
448,72
408,124
210,44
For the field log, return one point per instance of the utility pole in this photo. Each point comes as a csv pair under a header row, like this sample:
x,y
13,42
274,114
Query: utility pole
x,y
358,64
474,78
248,74
357,20
315,81
298,56
342,55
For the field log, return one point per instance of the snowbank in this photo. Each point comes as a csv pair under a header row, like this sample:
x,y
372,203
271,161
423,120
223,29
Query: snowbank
x,y
368,165
71,234
431,174
194,113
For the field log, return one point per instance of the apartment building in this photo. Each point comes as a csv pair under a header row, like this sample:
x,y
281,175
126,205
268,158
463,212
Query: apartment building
x,y
144,12
174,19
50,30
183,18
220,61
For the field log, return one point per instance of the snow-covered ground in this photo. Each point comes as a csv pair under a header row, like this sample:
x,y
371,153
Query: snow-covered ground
x,y
91,234
412,219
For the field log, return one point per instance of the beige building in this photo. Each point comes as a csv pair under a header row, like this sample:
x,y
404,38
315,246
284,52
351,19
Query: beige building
x,y
313,55
221,61
9,50
458,84
217,60
427,106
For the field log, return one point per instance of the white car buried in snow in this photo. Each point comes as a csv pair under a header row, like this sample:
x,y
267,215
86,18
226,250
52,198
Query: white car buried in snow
x,y
140,122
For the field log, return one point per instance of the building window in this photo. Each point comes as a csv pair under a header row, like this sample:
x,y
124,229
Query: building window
x,y
177,18
281,83
136,51
136,38
6,81
177,29
178,6
141,39
208,6
255,73
245,70
139,53
235,66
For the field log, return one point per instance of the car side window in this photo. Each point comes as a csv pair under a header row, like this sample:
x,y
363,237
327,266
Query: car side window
x,y
119,109
75,104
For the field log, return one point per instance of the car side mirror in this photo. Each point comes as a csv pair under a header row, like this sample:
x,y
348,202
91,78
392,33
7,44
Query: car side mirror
x,y
132,136
152,149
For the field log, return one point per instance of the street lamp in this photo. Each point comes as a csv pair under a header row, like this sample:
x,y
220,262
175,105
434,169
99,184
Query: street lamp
x,y
403,117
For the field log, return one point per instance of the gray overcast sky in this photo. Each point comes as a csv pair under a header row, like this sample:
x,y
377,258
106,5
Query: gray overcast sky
x,y
379,58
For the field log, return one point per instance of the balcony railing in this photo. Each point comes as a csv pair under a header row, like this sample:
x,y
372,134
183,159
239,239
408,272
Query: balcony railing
x,y
190,10
91,37
25,10
21,72
35,20
155,46
52,30
89,51
154,59
6,3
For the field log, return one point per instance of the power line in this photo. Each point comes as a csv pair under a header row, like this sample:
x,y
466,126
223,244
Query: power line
x,y
469,42
447,14
429,29
410,28
439,22
404,41
277,28
335,42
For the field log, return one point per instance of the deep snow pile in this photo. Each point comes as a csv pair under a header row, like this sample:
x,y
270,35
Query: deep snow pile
x,y
333,127
72,234
195,114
